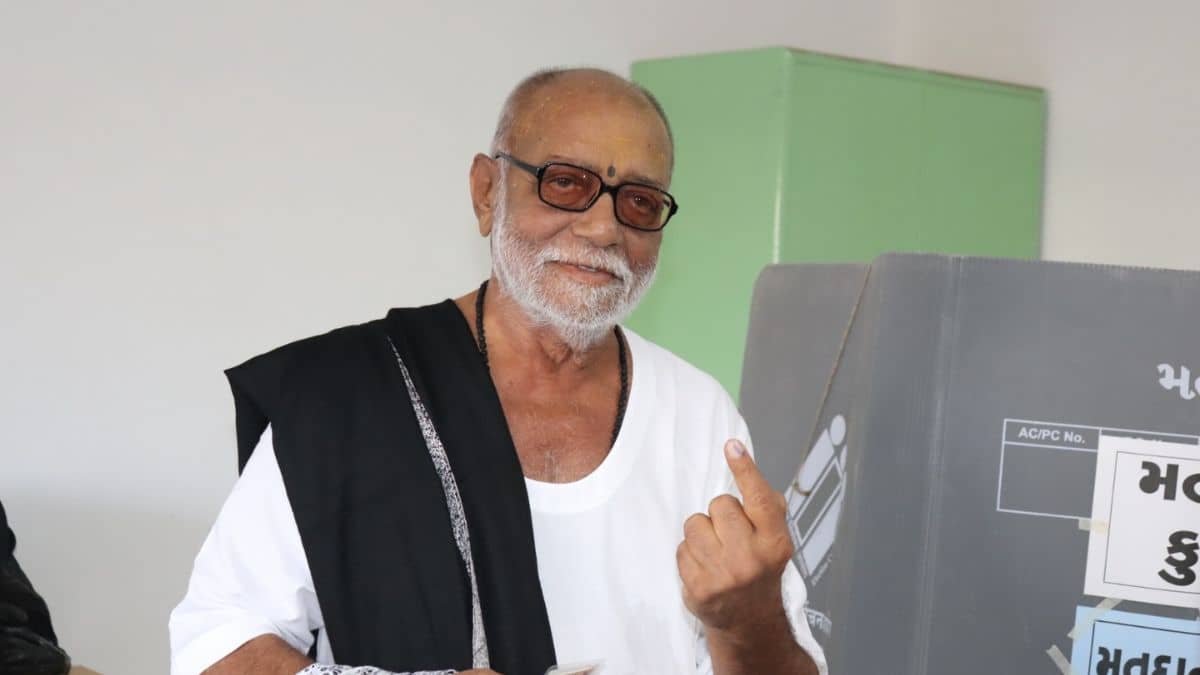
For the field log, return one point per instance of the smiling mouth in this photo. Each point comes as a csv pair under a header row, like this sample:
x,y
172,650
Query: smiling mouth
x,y
588,268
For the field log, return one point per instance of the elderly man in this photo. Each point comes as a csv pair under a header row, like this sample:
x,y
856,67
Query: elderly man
x,y
509,480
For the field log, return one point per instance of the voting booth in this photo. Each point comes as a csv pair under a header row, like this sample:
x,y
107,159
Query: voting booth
x,y
785,155
1001,461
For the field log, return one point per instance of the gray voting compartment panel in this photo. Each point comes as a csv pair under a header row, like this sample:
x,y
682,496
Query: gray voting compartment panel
x,y
940,518
793,304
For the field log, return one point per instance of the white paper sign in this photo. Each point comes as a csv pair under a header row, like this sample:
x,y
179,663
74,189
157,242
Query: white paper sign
x,y
1144,543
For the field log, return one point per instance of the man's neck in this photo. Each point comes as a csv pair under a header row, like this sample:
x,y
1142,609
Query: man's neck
x,y
512,334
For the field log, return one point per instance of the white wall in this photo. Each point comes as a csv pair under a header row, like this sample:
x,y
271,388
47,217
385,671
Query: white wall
x,y
183,186
1123,160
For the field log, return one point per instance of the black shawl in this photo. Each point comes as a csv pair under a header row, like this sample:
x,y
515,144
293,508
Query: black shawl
x,y
369,506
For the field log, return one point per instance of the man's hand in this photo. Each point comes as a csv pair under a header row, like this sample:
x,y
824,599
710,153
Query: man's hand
x,y
731,561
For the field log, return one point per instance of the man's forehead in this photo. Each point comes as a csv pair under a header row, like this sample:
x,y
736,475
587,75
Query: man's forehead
x,y
598,133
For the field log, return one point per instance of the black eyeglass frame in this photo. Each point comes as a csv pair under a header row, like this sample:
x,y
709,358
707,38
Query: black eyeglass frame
x,y
605,188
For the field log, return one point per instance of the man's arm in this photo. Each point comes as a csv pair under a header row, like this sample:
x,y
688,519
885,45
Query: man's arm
x,y
732,562
767,648
264,655
251,606
251,579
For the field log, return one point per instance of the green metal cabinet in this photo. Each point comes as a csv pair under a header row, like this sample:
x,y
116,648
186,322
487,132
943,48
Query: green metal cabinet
x,y
789,156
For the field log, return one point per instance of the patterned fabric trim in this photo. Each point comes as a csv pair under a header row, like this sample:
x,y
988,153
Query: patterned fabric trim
x,y
458,517
318,669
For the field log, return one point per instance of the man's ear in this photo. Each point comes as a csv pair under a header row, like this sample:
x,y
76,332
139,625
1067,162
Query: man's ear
x,y
485,189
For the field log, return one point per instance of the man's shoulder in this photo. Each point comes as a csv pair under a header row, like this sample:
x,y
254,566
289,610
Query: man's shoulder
x,y
331,348
321,377
688,380
319,351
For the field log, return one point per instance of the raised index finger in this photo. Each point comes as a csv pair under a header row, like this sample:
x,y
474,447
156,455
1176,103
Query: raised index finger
x,y
762,503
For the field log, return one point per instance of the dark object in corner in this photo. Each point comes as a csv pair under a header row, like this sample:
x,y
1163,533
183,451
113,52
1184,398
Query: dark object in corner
x,y
28,645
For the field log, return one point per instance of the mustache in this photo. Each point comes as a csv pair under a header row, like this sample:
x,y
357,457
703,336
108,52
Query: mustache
x,y
608,261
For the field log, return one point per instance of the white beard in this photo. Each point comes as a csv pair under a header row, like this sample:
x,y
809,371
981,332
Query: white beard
x,y
581,315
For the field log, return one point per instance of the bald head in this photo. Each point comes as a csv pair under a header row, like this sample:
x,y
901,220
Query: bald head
x,y
552,90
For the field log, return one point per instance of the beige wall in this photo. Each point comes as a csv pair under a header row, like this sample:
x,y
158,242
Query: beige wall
x,y
182,186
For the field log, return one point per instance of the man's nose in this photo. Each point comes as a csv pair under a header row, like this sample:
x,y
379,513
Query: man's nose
x,y
599,224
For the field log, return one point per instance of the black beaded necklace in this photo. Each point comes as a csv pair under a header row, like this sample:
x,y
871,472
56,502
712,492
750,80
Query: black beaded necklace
x,y
622,400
